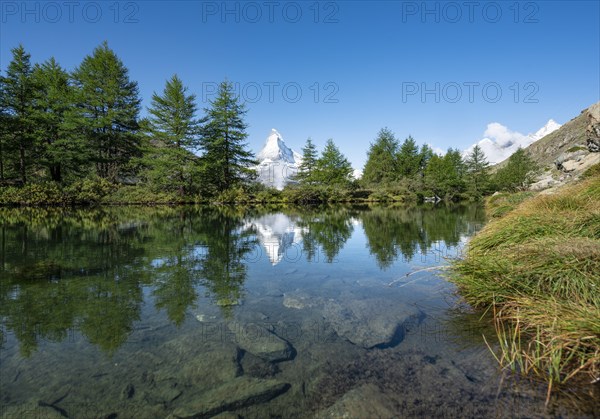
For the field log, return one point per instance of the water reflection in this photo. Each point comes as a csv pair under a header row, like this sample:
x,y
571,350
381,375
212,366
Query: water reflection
x,y
85,271
278,234
408,231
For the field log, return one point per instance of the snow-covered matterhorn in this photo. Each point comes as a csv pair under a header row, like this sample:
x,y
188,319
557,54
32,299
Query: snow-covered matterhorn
x,y
280,236
278,163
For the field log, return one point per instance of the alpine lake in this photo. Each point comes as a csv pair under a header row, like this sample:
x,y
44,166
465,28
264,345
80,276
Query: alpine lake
x,y
234,312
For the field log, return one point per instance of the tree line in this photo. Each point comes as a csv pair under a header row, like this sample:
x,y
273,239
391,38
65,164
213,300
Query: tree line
x,y
407,168
82,130
62,126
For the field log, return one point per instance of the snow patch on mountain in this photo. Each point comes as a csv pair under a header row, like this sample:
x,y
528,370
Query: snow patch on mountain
x,y
278,163
500,142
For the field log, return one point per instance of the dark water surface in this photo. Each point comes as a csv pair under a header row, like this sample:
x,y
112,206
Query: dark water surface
x,y
196,312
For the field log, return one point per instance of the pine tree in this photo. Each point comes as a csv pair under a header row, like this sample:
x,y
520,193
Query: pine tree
x,y
60,146
174,129
333,168
408,158
381,166
306,169
17,100
227,158
109,105
477,168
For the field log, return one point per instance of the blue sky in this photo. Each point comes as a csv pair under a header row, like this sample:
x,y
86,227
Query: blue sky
x,y
344,69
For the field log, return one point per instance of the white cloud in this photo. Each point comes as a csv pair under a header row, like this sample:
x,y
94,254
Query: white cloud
x,y
437,150
500,142
503,136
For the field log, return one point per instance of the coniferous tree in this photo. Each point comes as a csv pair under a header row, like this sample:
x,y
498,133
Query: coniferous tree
x,y
381,165
435,175
333,168
477,168
408,158
519,173
227,158
109,105
60,145
456,173
17,101
306,169
443,175
174,132
425,155
4,133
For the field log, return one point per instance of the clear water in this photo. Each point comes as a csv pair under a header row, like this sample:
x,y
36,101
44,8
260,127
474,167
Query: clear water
x,y
255,313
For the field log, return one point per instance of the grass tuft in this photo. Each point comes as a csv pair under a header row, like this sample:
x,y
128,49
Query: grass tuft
x,y
538,269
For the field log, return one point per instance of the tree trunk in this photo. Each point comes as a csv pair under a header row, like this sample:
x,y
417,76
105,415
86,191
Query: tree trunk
x,y
22,163
55,173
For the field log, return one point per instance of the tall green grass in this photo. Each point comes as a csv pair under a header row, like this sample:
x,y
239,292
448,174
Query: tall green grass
x,y
538,269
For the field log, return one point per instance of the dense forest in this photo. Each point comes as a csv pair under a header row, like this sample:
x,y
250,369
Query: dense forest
x,y
77,137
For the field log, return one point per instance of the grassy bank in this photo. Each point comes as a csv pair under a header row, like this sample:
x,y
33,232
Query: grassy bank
x,y
537,268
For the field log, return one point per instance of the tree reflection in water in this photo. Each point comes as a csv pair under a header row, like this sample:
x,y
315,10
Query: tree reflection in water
x,y
84,271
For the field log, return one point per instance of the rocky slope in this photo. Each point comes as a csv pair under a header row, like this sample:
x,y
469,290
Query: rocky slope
x,y
567,152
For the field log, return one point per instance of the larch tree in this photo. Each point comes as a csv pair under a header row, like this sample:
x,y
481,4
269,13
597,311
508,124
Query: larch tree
x,y
17,104
109,105
333,168
477,168
408,158
227,159
306,170
174,136
60,145
381,167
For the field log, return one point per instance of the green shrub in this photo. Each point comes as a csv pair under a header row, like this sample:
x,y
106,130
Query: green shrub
x,y
33,194
89,190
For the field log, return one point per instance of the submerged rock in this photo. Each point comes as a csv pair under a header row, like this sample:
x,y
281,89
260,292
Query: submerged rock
x,y
260,341
371,322
366,401
257,367
31,410
298,300
128,392
237,394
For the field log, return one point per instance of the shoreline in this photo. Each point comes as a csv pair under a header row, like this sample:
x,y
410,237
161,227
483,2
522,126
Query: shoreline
x,y
535,267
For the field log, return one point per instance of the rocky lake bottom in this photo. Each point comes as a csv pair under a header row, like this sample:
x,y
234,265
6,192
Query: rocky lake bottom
x,y
331,338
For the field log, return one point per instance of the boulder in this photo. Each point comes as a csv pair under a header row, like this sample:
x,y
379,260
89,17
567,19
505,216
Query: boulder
x,y
366,401
593,129
237,394
260,341
298,300
372,322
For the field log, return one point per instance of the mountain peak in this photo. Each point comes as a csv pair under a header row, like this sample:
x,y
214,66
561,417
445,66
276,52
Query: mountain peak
x,y
550,127
278,163
275,149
